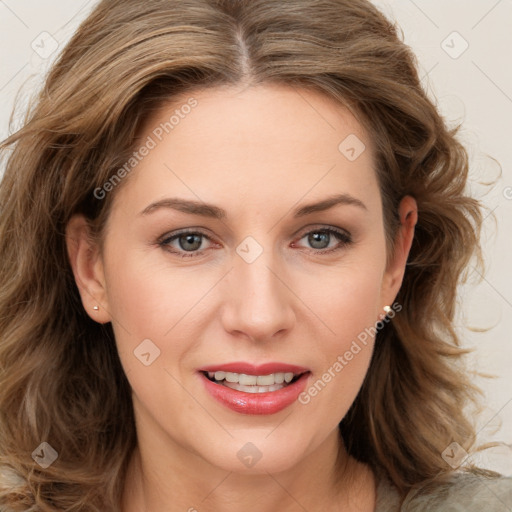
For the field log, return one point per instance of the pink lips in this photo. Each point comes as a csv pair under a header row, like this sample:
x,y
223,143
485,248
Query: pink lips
x,y
255,403
251,369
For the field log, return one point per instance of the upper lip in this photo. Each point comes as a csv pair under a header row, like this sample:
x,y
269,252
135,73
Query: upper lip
x,y
252,369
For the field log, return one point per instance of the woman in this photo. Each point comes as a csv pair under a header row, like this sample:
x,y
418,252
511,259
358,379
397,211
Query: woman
x,y
231,238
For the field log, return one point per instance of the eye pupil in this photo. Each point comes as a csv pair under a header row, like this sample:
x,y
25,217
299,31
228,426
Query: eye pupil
x,y
319,237
190,239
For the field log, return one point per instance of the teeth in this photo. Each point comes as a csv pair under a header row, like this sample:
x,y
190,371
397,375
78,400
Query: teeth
x,y
279,378
252,380
253,389
231,377
219,375
248,380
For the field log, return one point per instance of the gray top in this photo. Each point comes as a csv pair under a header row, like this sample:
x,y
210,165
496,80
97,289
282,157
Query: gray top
x,y
465,492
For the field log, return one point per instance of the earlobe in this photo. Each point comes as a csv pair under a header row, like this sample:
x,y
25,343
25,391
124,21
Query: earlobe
x,y
408,213
86,263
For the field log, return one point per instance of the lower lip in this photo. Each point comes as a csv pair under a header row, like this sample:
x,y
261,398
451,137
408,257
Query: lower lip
x,y
256,403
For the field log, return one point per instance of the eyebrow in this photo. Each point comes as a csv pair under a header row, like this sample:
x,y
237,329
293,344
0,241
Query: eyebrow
x,y
212,211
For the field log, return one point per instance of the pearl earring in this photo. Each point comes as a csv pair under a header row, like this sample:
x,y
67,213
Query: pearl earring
x,y
387,309
96,308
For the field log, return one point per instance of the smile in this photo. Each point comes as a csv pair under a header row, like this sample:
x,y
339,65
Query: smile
x,y
246,393
253,383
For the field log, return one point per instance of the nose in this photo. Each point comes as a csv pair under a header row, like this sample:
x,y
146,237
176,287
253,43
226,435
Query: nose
x,y
258,301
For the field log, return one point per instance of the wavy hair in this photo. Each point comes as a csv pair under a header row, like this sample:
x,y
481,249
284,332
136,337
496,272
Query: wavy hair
x,y
61,379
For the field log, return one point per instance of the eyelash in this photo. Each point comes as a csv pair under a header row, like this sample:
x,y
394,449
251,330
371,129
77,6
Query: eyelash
x,y
344,238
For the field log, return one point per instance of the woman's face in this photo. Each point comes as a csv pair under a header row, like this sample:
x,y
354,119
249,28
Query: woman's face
x,y
264,277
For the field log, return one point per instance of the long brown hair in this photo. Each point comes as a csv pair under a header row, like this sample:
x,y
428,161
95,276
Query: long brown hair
x,y
61,380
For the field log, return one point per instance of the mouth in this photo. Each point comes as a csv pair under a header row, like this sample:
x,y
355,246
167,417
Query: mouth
x,y
248,388
246,393
253,383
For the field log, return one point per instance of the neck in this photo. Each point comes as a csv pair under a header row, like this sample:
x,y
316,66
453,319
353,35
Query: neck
x,y
322,481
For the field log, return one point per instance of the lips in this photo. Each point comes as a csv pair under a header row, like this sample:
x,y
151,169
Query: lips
x,y
251,369
252,399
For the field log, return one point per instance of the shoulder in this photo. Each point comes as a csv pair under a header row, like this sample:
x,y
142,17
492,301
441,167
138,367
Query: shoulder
x,y
463,492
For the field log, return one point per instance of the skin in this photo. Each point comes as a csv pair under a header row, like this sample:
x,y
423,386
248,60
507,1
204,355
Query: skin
x,y
259,153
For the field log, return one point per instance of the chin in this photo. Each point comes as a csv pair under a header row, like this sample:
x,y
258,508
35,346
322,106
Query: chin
x,y
258,453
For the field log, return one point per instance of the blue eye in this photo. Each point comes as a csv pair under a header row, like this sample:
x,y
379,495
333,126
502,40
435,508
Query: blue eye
x,y
189,243
317,239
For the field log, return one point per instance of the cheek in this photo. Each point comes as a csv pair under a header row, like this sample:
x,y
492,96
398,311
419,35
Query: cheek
x,y
150,297
151,310
350,309
347,301
145,302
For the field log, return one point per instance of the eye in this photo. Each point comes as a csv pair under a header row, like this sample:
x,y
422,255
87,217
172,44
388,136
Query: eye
x,y
320,239
188,243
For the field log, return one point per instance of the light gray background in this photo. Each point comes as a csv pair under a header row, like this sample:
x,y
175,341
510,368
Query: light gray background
x,y
472,84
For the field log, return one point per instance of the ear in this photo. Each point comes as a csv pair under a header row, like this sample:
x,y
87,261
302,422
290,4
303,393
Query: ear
x,y
86,262
394,274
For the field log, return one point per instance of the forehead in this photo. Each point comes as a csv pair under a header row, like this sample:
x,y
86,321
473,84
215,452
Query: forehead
x,y
272,142
262,117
